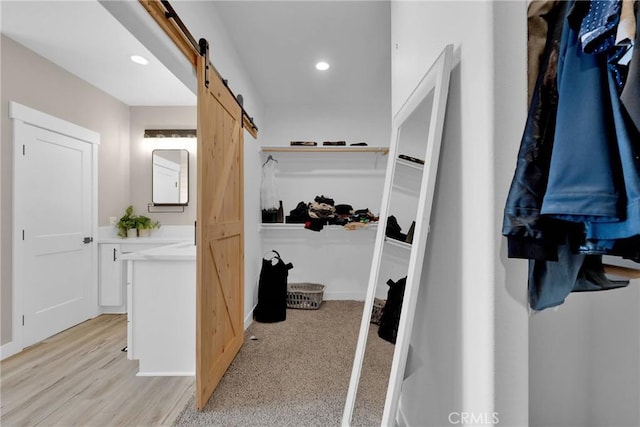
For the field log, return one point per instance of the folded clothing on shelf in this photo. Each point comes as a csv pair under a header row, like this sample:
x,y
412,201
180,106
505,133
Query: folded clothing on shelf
x,y
344,210
299,215
323,211
304,143
334,143
322,199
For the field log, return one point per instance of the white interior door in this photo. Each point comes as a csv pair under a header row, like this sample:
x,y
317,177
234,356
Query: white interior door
x,y
54,203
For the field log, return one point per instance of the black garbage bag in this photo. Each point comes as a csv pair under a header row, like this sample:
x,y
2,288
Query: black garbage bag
x,y
390,317
272,290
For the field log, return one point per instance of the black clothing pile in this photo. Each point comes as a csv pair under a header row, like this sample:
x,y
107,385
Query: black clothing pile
x,y
323,211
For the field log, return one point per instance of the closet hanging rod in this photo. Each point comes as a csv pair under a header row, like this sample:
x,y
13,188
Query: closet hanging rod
x,y
170,13
618,270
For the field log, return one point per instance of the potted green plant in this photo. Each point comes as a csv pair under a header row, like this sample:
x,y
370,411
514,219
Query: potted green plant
x,y
131,225
145,225
127,225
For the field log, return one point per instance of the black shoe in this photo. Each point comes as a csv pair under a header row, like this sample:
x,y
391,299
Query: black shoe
x,y
394,230
411,159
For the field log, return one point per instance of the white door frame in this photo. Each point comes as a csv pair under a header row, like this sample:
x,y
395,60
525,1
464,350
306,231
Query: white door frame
x,y
23,115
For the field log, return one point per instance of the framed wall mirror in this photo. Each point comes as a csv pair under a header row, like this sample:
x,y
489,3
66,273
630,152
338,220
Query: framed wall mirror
x,y
170,177
396,267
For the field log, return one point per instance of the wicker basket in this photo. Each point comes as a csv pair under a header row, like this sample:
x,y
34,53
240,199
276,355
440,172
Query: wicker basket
x,y
306,296
376,312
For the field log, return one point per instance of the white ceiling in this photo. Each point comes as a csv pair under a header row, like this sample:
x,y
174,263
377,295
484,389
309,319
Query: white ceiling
x,y
278,42
86,40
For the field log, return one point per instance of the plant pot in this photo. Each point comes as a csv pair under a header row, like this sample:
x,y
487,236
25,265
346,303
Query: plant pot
x,y
144,232
132,232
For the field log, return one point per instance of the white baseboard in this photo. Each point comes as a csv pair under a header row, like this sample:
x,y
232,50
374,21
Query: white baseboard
x,y
248,320
112,310
9,349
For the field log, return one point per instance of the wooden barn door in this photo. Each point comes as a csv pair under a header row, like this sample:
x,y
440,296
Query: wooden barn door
x,y
220,215
220,231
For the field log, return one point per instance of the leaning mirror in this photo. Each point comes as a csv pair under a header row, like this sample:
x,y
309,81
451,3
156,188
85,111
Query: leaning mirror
x,y
170,177
382,351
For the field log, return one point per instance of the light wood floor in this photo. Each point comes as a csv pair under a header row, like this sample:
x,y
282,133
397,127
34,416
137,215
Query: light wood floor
x,y
81,377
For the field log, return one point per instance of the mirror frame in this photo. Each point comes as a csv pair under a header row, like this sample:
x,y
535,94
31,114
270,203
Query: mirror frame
x,y
179,203
435,80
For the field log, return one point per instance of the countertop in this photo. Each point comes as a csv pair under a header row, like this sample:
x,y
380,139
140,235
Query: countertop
x,y
165,235
184,251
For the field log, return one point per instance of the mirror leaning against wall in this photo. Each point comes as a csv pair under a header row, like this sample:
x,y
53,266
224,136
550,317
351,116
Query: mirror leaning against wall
x,y
408,195
170,177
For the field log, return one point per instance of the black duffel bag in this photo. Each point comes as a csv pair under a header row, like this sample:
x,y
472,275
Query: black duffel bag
x,y
272,290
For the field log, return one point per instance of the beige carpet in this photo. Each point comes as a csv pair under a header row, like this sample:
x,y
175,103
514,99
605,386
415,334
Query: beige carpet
x,y
297,373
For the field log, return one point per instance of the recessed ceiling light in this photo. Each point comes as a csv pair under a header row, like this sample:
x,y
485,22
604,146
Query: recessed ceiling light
x,y
322,66
139,59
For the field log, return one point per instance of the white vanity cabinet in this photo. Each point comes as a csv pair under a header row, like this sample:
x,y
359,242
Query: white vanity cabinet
x,y
161,326
112,283
110,279
112,270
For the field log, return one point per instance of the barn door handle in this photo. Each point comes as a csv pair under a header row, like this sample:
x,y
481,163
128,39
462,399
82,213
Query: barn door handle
x,y
114,254
87,240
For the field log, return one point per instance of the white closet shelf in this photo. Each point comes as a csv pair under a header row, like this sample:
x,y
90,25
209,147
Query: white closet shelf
x,y
324,149
409,164
398,243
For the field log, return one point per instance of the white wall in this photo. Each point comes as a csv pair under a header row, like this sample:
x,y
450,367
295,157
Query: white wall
x,y
511,315
585,361
614,350
351,123
471,325
36,82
